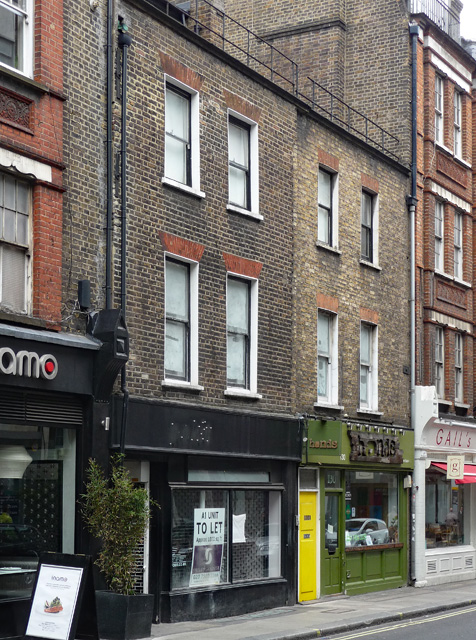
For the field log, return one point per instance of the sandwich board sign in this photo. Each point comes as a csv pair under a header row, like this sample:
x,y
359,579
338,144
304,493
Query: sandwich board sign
x,y
63,604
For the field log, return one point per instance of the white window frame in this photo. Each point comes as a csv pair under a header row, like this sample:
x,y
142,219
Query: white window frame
x,y
26,248
439,236
458,245
192,381
459,345
334,210
26,14
371,367
252,388
194,187
439,362
439,109
330,398
253,210
374,229
457,138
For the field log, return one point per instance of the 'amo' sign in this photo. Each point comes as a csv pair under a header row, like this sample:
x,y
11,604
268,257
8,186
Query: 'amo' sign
x,y
28,364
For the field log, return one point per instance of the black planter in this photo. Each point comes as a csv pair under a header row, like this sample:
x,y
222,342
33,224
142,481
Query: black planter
x,y
124,617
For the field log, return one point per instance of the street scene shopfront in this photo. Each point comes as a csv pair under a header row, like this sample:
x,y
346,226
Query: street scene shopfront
x,y
444,494
353,507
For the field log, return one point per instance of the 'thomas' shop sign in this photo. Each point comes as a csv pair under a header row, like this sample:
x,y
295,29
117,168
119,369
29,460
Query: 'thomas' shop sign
x,y
28,364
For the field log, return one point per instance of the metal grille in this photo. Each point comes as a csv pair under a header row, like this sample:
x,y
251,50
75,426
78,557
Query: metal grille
x,y
26,407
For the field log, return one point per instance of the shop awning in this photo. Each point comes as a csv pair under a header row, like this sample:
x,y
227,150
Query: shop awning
x,y
469,472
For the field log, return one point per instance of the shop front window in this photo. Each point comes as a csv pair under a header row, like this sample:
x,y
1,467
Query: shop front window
x,y
371,508
37,502
222,536
444,506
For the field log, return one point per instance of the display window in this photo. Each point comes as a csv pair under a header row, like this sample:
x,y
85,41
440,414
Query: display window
x,y
37,501
223,536
444,510
371,508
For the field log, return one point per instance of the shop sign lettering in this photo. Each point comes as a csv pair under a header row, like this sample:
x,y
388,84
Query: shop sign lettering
x,y
374,447
323,444
448,438
28,364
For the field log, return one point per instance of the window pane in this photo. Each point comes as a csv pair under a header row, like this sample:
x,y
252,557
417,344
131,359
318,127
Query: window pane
x,y
365,344
238,185
364,385
237,306
372,503
22,229
445,511
322,377
239,145
23,193
10,192
331,525
9,219
176,160
8,37
177,115
13,270
323,328
323,234
176,349
184,503
237,349
176,291
256,548
324,188
366,210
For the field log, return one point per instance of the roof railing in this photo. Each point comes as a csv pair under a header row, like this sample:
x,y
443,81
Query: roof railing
x,y
214,25
440,13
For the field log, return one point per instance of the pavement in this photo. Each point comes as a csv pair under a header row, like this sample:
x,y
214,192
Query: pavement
x,y
326,617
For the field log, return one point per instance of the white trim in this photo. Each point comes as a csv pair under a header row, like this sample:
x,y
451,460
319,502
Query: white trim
x,y
194,136
181,384
183,187
25,166
452,323
235,392
244,212
447,64
333,365
372,405
464,205
254,164
334,208
192,383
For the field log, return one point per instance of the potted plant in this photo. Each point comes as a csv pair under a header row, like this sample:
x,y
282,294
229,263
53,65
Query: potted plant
x,y
117,512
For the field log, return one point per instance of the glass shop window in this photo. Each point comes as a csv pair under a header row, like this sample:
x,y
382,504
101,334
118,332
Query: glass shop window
x,y
371,508
37,502
444,506
225,536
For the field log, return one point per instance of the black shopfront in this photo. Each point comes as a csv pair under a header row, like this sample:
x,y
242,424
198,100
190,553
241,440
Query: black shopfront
x,y
238,471
49,407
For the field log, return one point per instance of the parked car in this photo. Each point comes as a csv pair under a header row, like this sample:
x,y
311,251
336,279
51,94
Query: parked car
x,y
360,528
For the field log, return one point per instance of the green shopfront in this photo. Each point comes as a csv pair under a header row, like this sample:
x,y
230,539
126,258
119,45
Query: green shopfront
x,y
353,485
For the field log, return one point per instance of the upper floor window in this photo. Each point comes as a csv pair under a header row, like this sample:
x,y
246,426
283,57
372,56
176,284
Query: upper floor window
x,y
327,357
439,93
16,34
181,321
327,208
241,322
368,227
439,236
457,125
368,367
439,362
458,367
243,165
15,204
182,148
458,246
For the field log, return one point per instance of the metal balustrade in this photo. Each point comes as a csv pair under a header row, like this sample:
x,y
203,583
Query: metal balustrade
x,y
440,13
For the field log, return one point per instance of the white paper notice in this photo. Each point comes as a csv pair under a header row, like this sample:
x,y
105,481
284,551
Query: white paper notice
x,y
54,603
239,522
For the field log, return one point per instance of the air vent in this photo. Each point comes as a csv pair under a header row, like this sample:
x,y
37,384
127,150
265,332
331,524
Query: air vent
x,y
468,562
34,408
431,566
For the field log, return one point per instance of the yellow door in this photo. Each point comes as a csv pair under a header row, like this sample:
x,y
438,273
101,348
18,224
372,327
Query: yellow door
x,y
307,546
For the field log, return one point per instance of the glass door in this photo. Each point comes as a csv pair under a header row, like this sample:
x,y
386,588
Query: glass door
x,y
333,539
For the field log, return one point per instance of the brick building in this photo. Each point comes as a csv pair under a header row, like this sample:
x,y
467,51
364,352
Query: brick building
x,y
46,374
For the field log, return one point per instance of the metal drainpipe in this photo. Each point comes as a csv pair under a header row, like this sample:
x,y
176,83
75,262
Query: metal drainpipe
x,y
109,157
124,41
411,203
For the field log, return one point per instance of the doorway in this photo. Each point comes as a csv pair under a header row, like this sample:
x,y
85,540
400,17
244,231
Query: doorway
x,y
332,534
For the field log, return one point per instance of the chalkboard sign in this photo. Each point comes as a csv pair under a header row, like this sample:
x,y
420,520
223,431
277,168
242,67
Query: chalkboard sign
x,y
63,605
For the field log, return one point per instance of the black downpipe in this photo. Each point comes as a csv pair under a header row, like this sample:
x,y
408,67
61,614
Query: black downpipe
x,y
414,36
109,157
124,41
